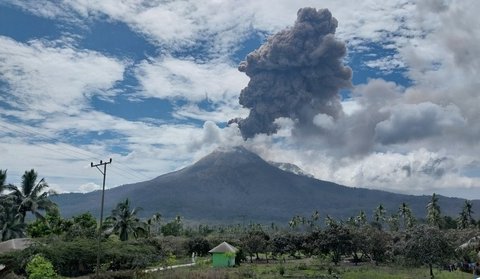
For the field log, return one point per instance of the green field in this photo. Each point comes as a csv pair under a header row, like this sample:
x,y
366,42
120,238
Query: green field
x,y
307,269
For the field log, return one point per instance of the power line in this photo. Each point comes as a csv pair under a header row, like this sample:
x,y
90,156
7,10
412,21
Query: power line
x,y
85,155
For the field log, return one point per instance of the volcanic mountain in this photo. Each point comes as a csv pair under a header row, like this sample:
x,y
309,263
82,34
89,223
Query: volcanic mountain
x,y
235,184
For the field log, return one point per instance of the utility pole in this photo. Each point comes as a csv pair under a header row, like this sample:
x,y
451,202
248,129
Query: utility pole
x,y
104,172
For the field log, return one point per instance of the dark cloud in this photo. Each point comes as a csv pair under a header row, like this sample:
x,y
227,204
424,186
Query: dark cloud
x,y
297,74
418,121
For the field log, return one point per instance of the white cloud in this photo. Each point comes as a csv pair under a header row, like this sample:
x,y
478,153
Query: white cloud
x,y
47,79
436,43
170,78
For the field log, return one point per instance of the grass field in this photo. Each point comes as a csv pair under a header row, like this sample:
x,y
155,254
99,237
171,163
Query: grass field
x,y
307,269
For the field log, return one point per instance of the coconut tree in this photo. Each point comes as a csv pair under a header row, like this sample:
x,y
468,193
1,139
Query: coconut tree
x,y
433,212
154,223
11,224
465,220
379,214
407,216
32,196
3,178
124,221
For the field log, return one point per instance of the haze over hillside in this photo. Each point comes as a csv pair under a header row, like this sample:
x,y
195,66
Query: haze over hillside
x,y
236,184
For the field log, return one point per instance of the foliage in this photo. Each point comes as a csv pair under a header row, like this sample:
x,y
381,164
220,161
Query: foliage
x,y
199,246
174,227
124,221
40,268
83,226
336,240
465,219
428,245
433,212
52,224
254,242
31,196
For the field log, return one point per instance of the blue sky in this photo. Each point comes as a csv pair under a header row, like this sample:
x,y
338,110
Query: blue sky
x,y
153,84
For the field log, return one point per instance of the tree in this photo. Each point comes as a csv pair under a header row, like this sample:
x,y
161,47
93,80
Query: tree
x,y
428,245
174,227
11,224
433,212
199,246
31,196
153,224
337,240
52,224
465,220
124,221
361,219
254,242
83,226
3,178
379,213
407,216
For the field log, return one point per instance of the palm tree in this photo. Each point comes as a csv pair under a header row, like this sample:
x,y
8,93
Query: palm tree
x,y
361,219
11,224
465,219
433,212
379,213
31,197
3,178
406,213
154,222
124,221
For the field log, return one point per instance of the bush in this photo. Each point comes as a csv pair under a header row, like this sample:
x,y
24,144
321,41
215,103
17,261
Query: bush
x,y
78,257
40,268
199,245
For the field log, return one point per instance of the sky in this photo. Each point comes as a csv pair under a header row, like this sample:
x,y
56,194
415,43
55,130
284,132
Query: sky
x,y
154,84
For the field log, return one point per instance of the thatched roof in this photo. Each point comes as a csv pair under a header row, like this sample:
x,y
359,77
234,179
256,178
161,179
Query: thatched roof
x,y
14,244
224,247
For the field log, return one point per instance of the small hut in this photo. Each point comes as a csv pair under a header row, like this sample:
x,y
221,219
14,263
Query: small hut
x,y
223,255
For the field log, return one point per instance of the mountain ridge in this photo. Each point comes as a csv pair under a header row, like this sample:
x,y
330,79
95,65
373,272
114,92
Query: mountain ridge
x,y
232,184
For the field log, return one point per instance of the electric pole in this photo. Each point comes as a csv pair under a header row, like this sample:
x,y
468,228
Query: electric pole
x,y
104,172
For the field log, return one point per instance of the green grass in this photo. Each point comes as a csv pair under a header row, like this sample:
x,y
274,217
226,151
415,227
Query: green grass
x,y
307,268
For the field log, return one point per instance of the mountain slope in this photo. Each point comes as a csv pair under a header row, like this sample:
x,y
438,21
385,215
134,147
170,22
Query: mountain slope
x,y
237,184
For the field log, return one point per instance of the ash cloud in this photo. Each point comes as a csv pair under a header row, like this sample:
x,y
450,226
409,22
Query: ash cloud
x,y
296,74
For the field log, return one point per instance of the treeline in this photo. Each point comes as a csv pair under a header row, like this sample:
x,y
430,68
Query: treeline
x,y
130,243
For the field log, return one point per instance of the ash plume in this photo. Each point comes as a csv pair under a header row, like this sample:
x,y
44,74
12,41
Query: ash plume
x,y
297,74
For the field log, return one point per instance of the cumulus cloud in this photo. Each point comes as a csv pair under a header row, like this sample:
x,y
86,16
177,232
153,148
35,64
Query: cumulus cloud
x,y
171,78
47,79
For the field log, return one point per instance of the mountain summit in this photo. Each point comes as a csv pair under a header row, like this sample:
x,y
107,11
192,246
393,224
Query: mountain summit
x,y
230,185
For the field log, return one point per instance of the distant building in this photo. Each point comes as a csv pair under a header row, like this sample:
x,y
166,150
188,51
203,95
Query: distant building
x,y
223,255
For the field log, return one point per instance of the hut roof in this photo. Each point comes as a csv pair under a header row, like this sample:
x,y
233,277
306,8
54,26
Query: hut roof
x,y
14,244
224,247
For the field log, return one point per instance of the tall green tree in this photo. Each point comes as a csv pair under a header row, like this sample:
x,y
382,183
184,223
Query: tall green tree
x,y
407,216
379,213
11,224
3,178
124,221
434,217
32,196
428,245
465,220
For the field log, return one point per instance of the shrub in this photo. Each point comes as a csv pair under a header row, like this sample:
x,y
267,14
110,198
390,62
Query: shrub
x,y
40,268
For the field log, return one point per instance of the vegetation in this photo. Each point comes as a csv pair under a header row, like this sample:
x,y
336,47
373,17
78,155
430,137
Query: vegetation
x,y
383,245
